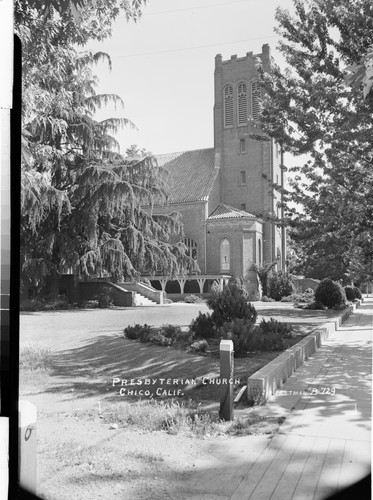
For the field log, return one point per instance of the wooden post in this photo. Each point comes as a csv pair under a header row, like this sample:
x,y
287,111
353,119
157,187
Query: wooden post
x,y
27,446
226,379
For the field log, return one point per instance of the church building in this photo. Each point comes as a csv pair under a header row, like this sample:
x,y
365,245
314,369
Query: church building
x,y
224,193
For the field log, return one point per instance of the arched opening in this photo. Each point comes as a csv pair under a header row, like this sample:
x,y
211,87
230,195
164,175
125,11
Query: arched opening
x,y
225,255
242,104
228,106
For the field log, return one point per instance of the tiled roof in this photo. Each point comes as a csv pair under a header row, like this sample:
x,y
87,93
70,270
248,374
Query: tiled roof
x,y
192,174
223,211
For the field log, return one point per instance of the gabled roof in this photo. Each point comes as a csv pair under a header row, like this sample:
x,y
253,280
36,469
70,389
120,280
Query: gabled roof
x,y
192,174
223,211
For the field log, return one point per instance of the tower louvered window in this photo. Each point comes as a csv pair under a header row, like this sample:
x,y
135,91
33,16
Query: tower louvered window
x,y
255,95
242,104
228,106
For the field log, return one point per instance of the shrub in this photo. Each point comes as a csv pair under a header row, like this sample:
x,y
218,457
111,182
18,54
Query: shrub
x,y
274,326
137,331
31,305
240,331
280,285
230,304
171,332
267,299
358,294
350,293
272,341
156,338
239,282
289,298
105,298
248,337
89,304
192,299
299,296
202,326
254,296
314,306
199,346
329,293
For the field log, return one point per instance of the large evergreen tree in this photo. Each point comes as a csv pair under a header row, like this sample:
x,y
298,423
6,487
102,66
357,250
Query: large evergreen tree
x,y
311,108
84,205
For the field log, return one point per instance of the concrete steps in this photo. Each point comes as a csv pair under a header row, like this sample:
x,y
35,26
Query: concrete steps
x,y
140,300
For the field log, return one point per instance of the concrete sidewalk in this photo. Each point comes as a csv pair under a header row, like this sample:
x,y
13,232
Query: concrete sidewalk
x,y
324,444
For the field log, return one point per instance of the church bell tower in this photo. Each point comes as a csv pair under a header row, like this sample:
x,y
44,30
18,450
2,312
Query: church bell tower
x,y
248,165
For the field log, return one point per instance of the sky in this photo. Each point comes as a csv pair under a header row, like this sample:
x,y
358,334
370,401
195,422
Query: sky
x,y
163,66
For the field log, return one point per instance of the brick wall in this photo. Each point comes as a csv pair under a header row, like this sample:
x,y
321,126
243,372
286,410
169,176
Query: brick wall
x,y
193,216
242,235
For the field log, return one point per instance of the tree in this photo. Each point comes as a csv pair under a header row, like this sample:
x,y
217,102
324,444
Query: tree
x,y
84,205
310,109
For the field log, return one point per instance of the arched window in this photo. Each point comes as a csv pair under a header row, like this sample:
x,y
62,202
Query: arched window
x,y
259,252
228,106
192,248
225,255
242,104
255,95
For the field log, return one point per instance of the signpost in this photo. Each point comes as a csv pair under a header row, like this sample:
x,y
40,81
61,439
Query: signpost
x,y
226,379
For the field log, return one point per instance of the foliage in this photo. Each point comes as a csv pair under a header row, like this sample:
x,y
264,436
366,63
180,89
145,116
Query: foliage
x,y
267,299
268,336
263,274
299,296
202,326
83,205
329,293
239,282
157,338
274,326
280,284
176,417
53,302
89,304
35,357
171,331
31,305
229,304
361,74
314,305
199,346
166,335
192,299
358,293
243,334
310,109
137,331
350,293
147,282
105,298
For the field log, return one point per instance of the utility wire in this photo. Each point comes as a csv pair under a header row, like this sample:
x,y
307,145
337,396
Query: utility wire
x,y
193,48
144,13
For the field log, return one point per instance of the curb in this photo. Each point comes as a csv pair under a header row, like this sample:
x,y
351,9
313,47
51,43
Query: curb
x,y
266,381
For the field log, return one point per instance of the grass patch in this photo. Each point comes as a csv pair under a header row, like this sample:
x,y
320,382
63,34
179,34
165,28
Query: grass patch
x,y
34,357
179,418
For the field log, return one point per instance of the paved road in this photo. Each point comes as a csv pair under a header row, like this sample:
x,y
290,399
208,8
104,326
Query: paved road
x,y
325,443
